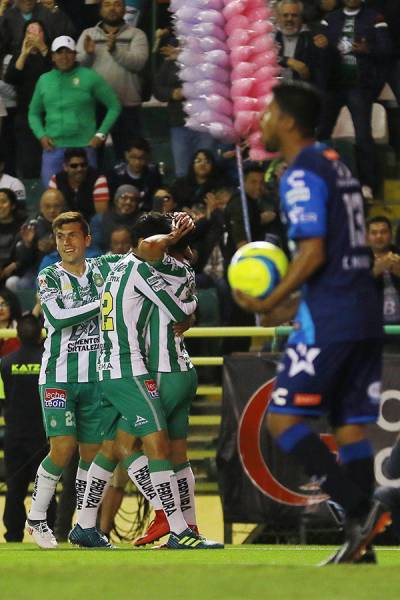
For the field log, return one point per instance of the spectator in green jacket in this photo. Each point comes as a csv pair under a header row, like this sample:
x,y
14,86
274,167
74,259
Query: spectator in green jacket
x,y
62,113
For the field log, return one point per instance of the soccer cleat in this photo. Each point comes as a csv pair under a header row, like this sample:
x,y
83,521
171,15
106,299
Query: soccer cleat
x,y
88,538
359,535
156,530
369,557
188,540
41,533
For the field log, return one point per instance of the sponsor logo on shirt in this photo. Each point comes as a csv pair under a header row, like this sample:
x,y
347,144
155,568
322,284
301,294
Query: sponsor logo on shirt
x,y
25,369
42,281
140,421
55,398
98,280
85,337
307,399
151,387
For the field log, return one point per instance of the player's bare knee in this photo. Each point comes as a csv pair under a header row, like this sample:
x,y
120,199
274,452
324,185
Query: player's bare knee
x,y
62,449
277,423
157,447
87,452
107,450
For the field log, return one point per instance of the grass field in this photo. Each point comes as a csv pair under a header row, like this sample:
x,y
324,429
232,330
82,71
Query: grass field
x,y
238,572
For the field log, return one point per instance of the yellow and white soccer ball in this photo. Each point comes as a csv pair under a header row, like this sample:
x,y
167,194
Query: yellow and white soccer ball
x,y
257,268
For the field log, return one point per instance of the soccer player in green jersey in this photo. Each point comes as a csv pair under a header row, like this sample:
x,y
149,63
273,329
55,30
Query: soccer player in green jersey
x,y
170,365
131,399
70,294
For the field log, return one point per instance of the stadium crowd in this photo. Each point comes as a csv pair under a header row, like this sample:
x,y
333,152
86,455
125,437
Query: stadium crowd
x,y
74,77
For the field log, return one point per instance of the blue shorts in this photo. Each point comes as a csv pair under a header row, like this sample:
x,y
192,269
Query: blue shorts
x,y
341,380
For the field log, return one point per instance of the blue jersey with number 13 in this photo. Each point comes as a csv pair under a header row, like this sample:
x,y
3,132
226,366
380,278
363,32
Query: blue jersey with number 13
x,y
321,198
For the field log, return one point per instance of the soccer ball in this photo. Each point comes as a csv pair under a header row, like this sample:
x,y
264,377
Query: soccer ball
x,y
257,268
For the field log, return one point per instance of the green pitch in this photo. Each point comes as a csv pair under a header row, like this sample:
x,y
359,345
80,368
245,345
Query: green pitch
x,y
238,572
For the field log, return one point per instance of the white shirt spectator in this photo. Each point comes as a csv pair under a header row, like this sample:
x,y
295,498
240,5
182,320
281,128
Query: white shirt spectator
x,y
14,184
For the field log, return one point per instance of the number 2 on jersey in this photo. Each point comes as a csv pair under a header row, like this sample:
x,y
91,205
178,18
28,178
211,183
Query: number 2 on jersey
x,y
107,323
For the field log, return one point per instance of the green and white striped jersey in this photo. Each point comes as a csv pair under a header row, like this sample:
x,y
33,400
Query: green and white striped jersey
x,y
166,352
71,308
130,293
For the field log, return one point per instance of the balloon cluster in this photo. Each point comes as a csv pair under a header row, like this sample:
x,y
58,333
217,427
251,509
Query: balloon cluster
x,y
228,66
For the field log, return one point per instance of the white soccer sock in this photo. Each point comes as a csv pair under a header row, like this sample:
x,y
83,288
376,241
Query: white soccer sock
x,y
45,486
98,480
139,473
186,484
166,486
80,484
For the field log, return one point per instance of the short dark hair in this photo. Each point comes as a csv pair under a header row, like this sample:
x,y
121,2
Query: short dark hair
x,y
11,195
74,153
140,143
379,219
68,217
29,329
301,101
149,224
13,302
253,167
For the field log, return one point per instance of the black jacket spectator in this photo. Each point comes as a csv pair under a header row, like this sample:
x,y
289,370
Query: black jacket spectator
x,y
12,25
203,177
23,72
165,82
368,25
305,52
25,443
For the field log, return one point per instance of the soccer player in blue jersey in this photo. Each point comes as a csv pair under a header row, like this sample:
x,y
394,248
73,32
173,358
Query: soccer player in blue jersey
x,y
332,362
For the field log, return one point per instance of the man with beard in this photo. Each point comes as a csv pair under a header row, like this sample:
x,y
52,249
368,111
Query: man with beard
x,y
118,52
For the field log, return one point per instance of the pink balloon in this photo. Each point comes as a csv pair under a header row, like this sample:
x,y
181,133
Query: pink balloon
x,y
245,103
242,53
244,121
240,37
242,87
266,73
254,138
264,59
219,104
211,16
259,153
257,14
261,43
264,102
236,22
260,28
262,88
209,29
244,69
232,8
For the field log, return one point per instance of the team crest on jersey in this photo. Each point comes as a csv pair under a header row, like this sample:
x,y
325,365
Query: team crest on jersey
x,y
98,280
151,387
55,398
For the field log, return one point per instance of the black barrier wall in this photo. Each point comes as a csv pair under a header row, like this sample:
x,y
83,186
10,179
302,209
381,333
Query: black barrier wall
x,y
257,483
